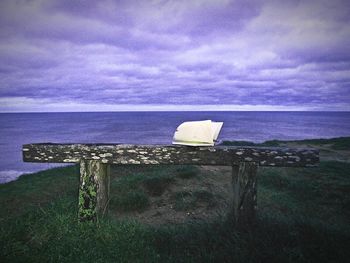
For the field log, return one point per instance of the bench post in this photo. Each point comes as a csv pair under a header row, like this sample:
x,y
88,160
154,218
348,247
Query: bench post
x,y
244,186
93,189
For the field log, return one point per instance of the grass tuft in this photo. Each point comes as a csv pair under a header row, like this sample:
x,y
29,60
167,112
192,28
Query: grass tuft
x,y
130,201
156,185
187,172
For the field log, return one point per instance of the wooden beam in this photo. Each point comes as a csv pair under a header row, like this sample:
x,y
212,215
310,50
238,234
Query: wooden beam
x,y
172,154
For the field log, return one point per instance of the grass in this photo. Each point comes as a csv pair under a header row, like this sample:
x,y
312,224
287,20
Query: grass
x,y
303,216
187,171
185,200
340,143
131,201
156,185
132,187
271,143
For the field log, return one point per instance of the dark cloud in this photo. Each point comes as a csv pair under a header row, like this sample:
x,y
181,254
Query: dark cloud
x,y
264,53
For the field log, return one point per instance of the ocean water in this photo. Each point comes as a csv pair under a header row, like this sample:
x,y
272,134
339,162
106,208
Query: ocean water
x,y
17,129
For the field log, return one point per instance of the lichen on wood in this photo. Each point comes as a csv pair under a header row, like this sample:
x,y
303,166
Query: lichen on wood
x,y
169,154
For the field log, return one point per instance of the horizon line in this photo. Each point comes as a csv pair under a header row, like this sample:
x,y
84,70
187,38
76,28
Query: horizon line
x,y
220,110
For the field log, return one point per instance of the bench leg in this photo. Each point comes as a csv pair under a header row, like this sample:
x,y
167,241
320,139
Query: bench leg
x,y
93,190
244,192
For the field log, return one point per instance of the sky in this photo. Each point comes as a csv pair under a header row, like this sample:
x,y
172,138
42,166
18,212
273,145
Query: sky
x,y
109,55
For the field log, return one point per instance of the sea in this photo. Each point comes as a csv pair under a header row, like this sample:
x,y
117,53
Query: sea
x,y
17,129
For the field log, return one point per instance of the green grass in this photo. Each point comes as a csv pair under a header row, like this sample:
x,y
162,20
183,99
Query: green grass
x,y
340,143
271,143
156,186
303,216
187,171
185,200
132,186
131,201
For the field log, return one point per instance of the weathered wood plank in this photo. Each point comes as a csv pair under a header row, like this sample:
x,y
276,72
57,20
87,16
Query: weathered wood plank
x,y
103,188
244,187
172,154
93,190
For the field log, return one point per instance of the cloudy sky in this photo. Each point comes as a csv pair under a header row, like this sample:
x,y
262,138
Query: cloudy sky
x,y
70,55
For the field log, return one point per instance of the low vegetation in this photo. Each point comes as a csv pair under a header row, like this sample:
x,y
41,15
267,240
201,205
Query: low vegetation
x,y
303,216
186,172
340,143
185,200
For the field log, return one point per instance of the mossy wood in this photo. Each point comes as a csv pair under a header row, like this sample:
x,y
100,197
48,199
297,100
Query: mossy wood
x,y
93,189
94,162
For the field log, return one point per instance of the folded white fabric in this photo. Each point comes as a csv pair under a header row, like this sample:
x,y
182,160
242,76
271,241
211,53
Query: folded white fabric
x,y
197,133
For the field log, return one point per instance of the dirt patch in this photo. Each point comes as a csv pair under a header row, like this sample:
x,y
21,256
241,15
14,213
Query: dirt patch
x,y
202,197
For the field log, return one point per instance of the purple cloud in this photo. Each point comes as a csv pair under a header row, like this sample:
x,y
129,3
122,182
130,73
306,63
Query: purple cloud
x,y
120,54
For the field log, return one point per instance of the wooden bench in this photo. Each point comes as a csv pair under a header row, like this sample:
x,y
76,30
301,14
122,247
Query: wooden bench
x,y
95,160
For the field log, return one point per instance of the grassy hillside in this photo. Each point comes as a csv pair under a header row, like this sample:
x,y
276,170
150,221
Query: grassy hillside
x,y
341,143
303,216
